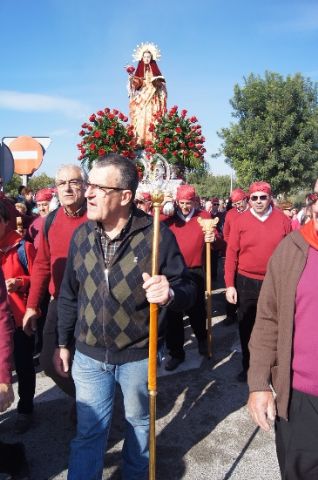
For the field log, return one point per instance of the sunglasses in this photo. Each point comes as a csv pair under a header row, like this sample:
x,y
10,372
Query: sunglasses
x,y
254,198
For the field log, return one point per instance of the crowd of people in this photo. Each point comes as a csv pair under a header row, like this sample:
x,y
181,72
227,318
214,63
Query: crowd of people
x,y
75,288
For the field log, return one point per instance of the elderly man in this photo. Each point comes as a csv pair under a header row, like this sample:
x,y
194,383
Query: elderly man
x,y
253,237
48,268
239,201
283,378
104,303
191,240
42,199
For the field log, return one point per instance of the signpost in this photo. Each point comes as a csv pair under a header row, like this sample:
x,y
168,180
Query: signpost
x,y
27,153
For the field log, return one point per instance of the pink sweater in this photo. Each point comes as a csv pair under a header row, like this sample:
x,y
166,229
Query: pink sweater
x,y
305,345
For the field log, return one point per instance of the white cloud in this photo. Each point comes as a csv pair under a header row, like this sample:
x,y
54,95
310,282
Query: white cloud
x,y
35,102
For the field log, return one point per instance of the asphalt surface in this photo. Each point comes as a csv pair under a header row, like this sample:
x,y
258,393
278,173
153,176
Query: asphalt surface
x,y
203,428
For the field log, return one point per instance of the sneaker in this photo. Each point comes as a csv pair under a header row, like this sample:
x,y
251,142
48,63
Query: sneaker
x,y
203,347
23,422
242,376
173,363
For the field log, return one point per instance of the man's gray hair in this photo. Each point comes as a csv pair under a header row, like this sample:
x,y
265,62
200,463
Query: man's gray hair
x,y
71,166
128,170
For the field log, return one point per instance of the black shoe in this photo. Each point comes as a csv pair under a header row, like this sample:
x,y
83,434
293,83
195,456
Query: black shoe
x,y
203,347
13,461
242,376
173,363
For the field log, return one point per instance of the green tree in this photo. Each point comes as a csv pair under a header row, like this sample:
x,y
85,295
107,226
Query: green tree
x,y
209,185
40,181
275,137
36,183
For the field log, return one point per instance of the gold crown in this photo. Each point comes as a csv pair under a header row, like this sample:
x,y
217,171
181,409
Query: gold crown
x,y
146,47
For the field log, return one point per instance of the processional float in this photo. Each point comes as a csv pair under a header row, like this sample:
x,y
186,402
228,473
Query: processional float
x,y
162,142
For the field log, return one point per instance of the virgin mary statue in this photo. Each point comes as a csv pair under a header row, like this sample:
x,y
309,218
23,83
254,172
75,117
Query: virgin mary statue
x,y
147,91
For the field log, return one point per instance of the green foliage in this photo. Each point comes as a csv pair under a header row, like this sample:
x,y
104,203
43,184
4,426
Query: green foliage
x,y
41,181
36,183
208,185
11,188
275,137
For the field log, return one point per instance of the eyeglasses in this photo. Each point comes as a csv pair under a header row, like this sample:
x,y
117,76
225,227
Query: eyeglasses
x,y
216,204
254,198
70,183
103,188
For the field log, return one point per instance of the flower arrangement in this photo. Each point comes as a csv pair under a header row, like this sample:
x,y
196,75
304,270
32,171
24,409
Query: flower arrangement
x,y
178,138
106,132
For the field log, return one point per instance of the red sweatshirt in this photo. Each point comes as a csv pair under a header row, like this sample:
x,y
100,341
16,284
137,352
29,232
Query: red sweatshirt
x,y
49,264
230,217
190,237
251,244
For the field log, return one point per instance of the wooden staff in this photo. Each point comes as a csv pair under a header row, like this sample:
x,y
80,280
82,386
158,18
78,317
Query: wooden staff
x,y
208,225
157,198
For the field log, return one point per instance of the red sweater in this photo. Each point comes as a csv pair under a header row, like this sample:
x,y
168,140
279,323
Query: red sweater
x,y
6,335
49,264
251,244
230,217
190,237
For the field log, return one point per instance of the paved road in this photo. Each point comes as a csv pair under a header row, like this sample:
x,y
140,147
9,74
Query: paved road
x,y
203,429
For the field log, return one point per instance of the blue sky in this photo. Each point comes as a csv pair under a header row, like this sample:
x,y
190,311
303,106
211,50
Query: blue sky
x,y
62,60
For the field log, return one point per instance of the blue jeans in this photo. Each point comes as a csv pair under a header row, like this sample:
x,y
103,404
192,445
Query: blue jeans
x,y
95,384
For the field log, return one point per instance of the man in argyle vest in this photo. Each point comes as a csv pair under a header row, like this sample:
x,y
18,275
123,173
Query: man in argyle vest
x,y
104,304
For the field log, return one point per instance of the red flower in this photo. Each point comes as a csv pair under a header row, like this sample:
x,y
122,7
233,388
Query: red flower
x,y
85,125
101,113
191,144
167,141
111,132
111,116
164,151
130,69
193,119
175,153
178,130
82,133
106,110
115,112
151,127
183,113
125,119
196,155
90,128
92,146
97,134
92,117
101,152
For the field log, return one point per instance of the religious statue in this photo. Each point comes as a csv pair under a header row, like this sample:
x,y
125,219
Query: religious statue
x,y
147,91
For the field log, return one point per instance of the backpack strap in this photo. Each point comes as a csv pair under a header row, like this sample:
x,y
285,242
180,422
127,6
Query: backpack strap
x,y
48,222
22,256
